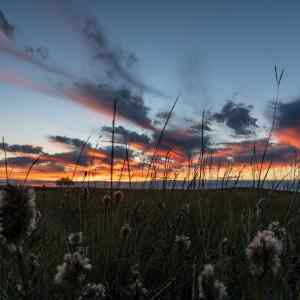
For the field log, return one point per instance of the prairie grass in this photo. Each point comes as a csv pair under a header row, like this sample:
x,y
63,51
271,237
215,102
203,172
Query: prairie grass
x,y
219,224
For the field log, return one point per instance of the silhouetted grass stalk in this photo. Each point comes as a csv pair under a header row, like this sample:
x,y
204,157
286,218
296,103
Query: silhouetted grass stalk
x,y
112,148
5,161
278,79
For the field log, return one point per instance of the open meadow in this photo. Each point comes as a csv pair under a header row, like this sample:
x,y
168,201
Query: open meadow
x,y
147,244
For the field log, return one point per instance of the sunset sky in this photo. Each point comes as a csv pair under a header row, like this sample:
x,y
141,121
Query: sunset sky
x,y
63,63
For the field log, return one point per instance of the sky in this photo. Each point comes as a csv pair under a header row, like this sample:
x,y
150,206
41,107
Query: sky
x,y
64,63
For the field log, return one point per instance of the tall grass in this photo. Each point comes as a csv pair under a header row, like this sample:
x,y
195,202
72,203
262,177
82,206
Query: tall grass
x,y
5,160
166,270
278,79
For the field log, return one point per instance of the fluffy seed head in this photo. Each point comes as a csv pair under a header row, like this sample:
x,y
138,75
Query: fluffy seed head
x,y
73,270
118,196
210,288
93,291
135,270
279,231
138,289
106,200
18,215
125,231
264,253
75,239
183,241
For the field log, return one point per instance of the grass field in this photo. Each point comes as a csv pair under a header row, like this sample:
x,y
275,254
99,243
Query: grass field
x,y
145,244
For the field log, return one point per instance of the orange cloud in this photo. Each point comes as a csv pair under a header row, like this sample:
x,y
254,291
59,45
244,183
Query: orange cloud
x,y
289,136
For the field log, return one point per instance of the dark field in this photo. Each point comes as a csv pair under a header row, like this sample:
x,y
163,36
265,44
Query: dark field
x,y
147,261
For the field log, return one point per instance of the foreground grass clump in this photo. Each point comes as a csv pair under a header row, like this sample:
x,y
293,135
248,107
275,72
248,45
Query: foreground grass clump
x,y
89,244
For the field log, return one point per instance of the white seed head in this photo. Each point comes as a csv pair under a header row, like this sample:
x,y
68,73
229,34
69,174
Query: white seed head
x,y
18,215
264,253
208,270
75,239
125,231
183,241
92,291
73,270
209,287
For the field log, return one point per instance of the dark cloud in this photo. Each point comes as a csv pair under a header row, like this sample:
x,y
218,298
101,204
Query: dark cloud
x,y
70,158
204,125
50,168
161,117
71,142
287,122
243,152
23,149
101,98
5,27
128,136
279,153
237,117
198,127
119,153
21,161
185,140
288,114
41,52
119,62
85,157
66,158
